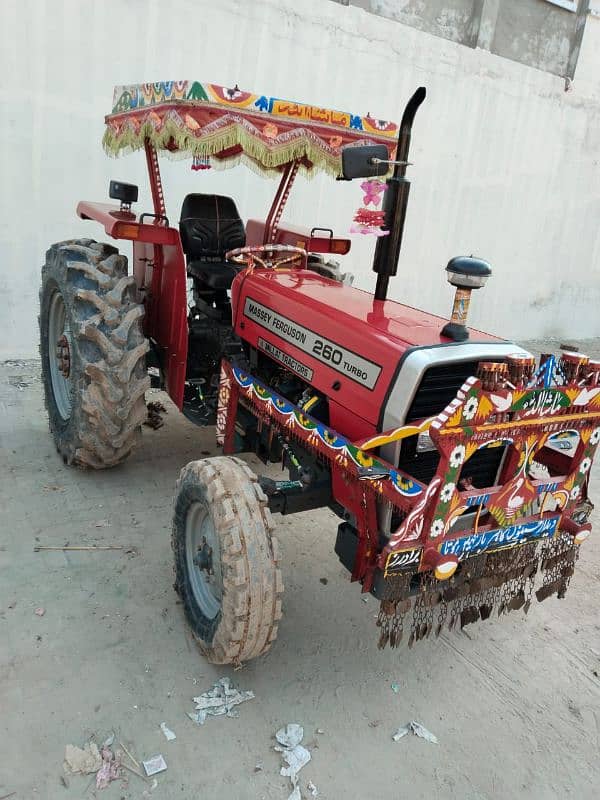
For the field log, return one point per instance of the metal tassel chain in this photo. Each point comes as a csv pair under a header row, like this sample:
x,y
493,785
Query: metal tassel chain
x,y
503,581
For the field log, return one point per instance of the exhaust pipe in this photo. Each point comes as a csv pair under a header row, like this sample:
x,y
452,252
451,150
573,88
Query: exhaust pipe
x,y
387,250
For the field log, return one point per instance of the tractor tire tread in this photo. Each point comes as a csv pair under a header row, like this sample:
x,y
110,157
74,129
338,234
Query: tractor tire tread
x,y
252,581
110,381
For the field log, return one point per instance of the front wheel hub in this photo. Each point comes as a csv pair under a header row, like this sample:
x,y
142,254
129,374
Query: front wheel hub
x,y
204,557
63,356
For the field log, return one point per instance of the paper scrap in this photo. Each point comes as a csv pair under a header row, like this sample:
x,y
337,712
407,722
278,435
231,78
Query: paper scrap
x,y
418,730
167,732
294,755
154,765
218,701
110,769
296,758
83,761
291,735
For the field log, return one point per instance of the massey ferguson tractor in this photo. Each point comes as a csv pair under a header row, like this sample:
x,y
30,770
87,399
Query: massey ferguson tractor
x,y
457,465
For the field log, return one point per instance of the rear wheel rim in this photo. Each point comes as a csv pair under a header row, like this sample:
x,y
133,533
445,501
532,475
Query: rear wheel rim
x,y
59,330
206,583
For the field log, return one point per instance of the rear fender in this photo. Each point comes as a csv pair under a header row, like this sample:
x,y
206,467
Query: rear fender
x,y
160,275
164,291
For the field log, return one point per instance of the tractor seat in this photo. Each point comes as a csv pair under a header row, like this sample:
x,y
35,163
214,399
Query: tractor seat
x,y
210,226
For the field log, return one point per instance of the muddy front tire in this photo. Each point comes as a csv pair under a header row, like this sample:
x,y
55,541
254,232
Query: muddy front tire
x,y
226,561
93,353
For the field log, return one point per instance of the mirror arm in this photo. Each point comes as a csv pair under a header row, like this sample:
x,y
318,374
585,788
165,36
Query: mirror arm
x,y
397,163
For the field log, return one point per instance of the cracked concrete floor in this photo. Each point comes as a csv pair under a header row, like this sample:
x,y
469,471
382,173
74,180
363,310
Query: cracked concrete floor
x,y
515,703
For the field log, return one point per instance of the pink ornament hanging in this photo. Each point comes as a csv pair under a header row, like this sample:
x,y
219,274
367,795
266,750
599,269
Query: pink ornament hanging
x,y
370,221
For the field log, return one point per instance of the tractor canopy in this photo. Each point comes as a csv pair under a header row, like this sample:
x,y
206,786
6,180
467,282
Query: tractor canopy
x,y
220,127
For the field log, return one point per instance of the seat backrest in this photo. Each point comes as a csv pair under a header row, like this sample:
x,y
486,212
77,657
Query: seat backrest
x,y
210,226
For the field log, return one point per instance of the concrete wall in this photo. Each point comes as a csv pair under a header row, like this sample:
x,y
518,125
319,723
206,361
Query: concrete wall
x,y
507,165
539,33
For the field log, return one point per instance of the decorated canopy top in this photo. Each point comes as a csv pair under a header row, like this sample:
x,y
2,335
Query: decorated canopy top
x,y
221,126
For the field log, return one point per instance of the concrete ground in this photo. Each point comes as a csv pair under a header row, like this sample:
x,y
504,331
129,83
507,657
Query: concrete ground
x,y
515,703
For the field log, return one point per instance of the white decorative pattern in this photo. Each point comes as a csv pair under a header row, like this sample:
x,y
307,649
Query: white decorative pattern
x,y
585,465
412,526
470,408
447,492
457,456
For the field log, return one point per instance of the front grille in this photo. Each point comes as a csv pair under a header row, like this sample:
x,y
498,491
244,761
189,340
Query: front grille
x,y
439,387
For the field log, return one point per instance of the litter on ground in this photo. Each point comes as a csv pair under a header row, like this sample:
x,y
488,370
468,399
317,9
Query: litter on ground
x,y
167,732
291,735
40,612
110,769
294,755
219,701
84,760
154,765
395,687
417,729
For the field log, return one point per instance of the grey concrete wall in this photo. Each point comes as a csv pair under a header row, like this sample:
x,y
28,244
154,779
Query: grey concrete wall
x,y
537,33
451,19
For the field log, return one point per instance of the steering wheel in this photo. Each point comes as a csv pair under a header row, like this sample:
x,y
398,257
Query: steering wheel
x,y
273,256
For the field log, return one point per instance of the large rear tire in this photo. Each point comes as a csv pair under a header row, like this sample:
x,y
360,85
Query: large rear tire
x,y
93,353
226,561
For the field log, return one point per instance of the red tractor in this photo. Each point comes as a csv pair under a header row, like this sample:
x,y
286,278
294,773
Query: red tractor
x,y
458,466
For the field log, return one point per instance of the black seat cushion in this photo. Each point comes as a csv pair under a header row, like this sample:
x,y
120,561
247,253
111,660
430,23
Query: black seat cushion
x,y
210,226
214,274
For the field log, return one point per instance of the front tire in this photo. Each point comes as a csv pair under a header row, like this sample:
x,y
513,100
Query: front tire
x,y
93,353
226,561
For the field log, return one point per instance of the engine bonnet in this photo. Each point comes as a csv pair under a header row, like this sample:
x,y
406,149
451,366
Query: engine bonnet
x,y
336,337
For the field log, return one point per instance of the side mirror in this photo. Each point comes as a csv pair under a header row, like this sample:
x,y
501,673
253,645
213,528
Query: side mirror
x,y
127,193
357,162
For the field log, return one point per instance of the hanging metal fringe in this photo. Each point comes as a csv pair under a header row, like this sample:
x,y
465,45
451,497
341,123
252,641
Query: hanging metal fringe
x,y
502,581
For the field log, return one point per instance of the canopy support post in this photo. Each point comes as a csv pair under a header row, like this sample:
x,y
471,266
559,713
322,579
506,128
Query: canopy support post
x,y
158,199
283,192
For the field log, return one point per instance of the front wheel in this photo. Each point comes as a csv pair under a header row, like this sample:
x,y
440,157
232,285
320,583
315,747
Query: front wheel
x,y
226,561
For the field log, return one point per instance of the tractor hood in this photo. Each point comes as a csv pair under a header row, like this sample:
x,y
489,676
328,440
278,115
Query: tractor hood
x,y
342,341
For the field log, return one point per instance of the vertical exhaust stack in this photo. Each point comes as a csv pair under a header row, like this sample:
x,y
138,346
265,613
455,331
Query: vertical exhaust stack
x,y
387,251
466,273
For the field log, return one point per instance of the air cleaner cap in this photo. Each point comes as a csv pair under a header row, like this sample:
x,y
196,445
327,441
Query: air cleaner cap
x,y
468,272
